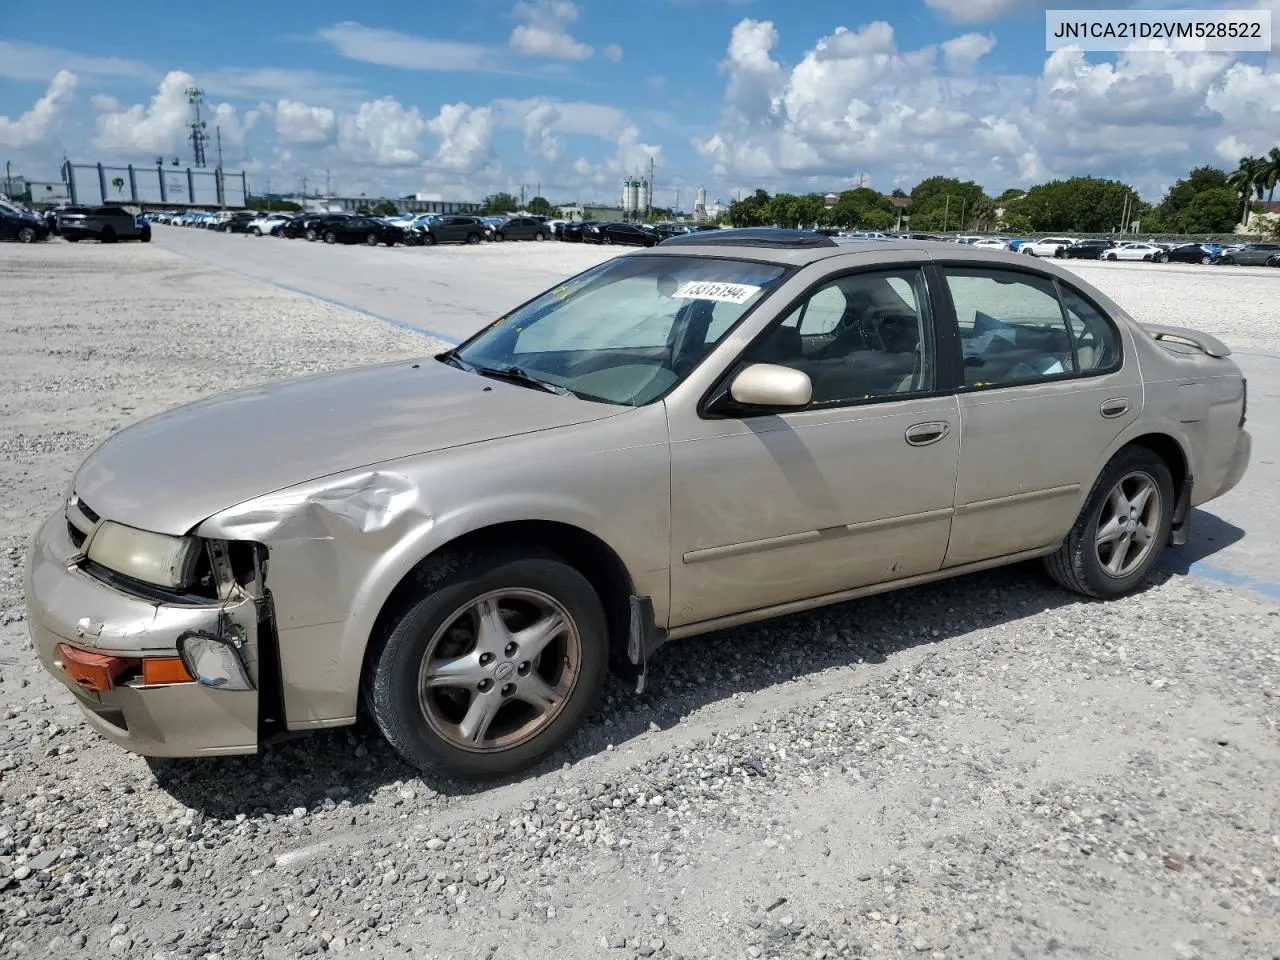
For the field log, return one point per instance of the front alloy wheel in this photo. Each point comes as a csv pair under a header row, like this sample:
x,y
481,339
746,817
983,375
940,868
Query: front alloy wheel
x,y
27,235
330,237
491,666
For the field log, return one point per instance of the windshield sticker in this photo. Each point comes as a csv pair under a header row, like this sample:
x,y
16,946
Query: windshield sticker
x,y
712,290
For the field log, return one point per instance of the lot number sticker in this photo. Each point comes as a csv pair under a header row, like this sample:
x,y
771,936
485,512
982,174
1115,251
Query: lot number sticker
x,y
711,290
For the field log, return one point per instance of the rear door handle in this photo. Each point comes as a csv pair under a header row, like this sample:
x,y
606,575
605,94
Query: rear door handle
x,y
923,434
1115,407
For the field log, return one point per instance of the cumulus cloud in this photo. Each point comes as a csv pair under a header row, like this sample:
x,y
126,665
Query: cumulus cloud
x,y
302,123
37,126
466,138
102,101
543,31
613,52
383,132
975,11
961,54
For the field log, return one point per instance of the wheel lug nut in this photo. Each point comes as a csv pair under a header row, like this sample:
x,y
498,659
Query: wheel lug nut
x,y
508,689
485,685
523,669
486,659
510,648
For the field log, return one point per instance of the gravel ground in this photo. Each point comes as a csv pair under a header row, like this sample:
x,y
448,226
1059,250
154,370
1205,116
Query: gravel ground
x,y
985,767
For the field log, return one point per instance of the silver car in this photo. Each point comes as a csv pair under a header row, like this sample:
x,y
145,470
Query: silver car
x,y
731,426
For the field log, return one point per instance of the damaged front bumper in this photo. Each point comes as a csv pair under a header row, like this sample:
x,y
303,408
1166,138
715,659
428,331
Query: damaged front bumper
x,y
67,606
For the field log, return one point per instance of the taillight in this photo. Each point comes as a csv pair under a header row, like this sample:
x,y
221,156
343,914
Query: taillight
x,y
1244,399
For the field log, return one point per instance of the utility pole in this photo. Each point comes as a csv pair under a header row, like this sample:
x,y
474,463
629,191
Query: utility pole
x,y
304,187
222,183
946,211
963,200
327,191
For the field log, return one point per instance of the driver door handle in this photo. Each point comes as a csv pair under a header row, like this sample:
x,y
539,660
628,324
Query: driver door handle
x,y
923,434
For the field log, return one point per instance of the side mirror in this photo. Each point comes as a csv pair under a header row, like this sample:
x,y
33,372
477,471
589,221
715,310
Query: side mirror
x,y
770,386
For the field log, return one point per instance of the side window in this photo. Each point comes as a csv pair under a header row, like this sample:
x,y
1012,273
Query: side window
x,y
861,337
1096,342
1012,327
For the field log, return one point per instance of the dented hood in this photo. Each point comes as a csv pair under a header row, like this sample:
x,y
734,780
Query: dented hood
x,y
172,471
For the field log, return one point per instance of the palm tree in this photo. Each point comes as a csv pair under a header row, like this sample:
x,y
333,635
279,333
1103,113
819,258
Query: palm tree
x,y
1272,172
1247,180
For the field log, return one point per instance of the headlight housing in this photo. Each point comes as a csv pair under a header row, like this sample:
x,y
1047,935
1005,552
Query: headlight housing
x,y
154,558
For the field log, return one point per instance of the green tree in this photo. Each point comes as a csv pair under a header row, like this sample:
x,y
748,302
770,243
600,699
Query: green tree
x,y
363,210
497,204
877,220
855,208
1013,193
1184,191
385,208
541,206
1080,204
941,202
118,183
898,192
750,211
1210,211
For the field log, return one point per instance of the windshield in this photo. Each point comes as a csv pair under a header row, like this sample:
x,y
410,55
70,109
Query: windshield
x,y
626,331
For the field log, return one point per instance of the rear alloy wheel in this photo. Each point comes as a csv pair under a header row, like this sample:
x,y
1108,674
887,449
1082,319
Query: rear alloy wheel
x,y
107,235
499,236
428,239
1162,258
330,237
256,231
27,235
539,236
1227,261
371,239
311,235
1122,529
1112,257
608,238
1274,262
1206,259
1029,252
493,667
473,238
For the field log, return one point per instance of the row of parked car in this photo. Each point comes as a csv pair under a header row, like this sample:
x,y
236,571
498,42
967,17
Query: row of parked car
x,y
1074,248
423,229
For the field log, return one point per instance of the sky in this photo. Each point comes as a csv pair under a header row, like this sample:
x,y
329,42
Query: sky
x,y
461,99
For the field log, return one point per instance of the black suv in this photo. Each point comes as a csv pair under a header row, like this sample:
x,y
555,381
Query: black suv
x,y
361,230
522,228
454,230
107,224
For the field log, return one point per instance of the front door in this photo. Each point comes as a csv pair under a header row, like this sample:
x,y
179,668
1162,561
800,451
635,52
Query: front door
x,y
853,490
1046,391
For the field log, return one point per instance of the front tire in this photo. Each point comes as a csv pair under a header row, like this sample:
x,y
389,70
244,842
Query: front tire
x,y
330,237
1227,261
491,665
1122,529
145,236
27,235
108,235
1162,258
371,240
1112,257
539,236
473,238
1206,260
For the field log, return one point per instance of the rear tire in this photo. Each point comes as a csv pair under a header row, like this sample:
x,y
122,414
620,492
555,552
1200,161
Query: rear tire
x,y
539,236
1227,261
1112,257
1206,260
1080,564
1274,262
1162,258
473,238
145,236
428,240
330,237
436,626
107,235
371,239
26,235
499,237
72,239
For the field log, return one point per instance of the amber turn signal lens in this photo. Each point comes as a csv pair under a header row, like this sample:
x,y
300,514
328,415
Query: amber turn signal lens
x,y
93,671
157,670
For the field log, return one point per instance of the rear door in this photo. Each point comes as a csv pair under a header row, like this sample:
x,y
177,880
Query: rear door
x,y
1046,389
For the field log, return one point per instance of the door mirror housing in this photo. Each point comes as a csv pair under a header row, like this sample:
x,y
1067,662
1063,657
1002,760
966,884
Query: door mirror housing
x,y
769,386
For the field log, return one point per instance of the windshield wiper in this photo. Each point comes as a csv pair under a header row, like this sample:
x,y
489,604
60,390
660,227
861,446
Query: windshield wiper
x,y
518,376
452,358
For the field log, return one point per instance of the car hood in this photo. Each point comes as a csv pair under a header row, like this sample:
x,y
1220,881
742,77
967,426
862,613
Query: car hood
x,y
170,472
